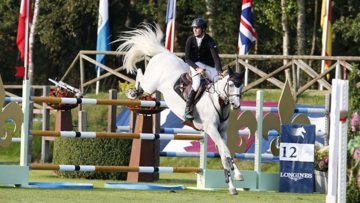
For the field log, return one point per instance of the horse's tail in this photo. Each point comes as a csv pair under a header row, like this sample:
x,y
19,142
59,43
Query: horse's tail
x,y
140,43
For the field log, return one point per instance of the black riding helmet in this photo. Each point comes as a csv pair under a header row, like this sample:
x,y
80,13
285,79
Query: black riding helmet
x,y
199,22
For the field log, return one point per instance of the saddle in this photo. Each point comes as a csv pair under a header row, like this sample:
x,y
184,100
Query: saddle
x,y
183,87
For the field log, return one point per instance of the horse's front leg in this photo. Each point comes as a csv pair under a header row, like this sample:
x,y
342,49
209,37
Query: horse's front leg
x,y
229,158
224,153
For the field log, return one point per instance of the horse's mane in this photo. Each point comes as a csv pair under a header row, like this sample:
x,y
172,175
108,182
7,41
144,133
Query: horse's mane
x,y
138,43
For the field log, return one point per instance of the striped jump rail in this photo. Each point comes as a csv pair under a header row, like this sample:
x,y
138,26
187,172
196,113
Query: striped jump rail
x,y
296,110
217,155
142,136
244,132
67,100
92,168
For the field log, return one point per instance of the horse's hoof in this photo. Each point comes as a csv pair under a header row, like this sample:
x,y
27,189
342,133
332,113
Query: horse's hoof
x,y
233,191
131,93
239,177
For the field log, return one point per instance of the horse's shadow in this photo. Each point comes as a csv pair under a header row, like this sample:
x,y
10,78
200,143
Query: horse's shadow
x,y
168,180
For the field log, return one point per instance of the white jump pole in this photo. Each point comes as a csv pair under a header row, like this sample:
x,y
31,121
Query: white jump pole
x,y
338,142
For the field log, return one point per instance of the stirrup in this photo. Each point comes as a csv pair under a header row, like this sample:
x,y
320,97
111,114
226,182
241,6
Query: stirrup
x,y
187,116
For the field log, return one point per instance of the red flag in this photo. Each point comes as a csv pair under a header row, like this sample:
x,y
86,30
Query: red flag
x,y
20,39
20,71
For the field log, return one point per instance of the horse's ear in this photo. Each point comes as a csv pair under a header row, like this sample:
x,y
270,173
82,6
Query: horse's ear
x,y
230,71
242,73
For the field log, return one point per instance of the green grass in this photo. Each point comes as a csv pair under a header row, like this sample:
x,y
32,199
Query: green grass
x,y
101,194
309,97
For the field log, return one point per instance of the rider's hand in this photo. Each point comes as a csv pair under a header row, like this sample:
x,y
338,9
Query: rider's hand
x,y
200,70
220,75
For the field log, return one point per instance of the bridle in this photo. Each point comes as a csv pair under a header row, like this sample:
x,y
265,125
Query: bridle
x,y
224,97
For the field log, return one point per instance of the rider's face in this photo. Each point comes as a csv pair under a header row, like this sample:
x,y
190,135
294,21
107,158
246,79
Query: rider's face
x,y
198,31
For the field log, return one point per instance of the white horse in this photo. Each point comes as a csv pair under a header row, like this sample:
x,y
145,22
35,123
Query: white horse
x,y
211,112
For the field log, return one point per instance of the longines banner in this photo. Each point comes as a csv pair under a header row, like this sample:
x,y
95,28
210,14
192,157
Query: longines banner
x,y
297,158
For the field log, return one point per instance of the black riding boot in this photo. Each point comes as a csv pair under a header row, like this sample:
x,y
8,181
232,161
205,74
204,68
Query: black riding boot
x,y
188,110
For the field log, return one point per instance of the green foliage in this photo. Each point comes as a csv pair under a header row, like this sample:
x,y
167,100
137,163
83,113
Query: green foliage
x,y
352,191
54,32
354,95
66,27
123,86
9,52
93,151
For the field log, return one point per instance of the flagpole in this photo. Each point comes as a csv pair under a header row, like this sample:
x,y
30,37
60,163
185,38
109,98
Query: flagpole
x,y
173,29
246,72
26,57
325,36
25,97
98,82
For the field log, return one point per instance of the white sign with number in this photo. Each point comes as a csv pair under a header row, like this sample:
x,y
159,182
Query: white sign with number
x,y
296,152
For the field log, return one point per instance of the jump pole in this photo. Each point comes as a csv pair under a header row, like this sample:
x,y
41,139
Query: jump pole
x,y
92,168
19,174
338,142
142,136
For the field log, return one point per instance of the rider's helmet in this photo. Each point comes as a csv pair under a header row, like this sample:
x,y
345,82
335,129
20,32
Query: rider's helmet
x,y
199,22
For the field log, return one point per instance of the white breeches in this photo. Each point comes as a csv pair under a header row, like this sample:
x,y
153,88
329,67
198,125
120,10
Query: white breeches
x,y
211,74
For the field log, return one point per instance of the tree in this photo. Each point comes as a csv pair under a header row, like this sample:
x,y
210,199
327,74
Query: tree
x,y
31,40
9,53
300,28
66,27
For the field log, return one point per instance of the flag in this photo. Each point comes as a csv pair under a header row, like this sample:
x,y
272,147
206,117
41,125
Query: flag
x,y
325,23
103,32
247,33
170,28
21,33
20,71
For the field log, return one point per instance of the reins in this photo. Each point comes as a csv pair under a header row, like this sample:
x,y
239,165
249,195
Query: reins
x,y
223,102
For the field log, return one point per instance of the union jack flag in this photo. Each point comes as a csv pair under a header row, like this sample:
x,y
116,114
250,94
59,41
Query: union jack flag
x,y
247,33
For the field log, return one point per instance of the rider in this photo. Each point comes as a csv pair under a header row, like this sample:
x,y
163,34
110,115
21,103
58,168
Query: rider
x,y
201,54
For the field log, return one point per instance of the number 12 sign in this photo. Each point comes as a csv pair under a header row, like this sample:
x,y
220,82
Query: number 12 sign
x,y
297,158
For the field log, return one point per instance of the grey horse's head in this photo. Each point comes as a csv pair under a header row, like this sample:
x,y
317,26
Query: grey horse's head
x,y
234,88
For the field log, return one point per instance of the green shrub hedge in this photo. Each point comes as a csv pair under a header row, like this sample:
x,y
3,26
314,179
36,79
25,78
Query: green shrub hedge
x,y
92,151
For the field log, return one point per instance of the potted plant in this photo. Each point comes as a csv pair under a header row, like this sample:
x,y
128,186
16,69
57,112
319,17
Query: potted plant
x,y
63,121
61,92
321,167
146,110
